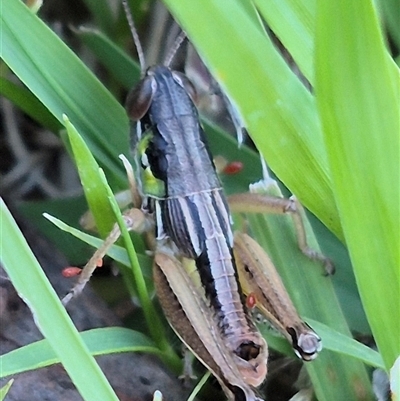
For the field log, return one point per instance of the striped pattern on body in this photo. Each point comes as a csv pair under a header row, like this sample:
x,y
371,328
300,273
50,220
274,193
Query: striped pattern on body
x,y
199,225
180,185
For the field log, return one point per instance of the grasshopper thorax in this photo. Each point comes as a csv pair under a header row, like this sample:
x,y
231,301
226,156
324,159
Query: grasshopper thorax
x,y
169,141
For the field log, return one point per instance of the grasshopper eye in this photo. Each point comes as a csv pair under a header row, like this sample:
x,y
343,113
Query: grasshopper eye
x,y
186,84
140,97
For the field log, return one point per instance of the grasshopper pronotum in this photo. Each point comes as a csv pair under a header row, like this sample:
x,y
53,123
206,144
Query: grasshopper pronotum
x,y
198,283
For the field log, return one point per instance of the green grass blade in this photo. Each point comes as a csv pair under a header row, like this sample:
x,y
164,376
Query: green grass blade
x,y
50,316
98,341
335,341
358,98
5,389
395,379
28,103
198,387
88,169
292,21
64,84
152,319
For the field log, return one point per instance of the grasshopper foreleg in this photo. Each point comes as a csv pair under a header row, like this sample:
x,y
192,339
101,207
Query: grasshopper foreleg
x,y
135,220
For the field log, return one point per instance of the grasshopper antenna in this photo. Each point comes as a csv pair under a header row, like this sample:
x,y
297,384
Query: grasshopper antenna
x,y
135,35
171,54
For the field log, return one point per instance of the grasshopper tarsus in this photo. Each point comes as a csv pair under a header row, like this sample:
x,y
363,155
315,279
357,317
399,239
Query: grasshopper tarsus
x,y
328,265
297,213
188,375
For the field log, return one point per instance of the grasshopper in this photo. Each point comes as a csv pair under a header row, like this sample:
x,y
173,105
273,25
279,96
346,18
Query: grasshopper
x,y
202,271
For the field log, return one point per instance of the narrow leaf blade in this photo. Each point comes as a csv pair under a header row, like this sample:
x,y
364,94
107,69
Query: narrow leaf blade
x,y
50,316
358,98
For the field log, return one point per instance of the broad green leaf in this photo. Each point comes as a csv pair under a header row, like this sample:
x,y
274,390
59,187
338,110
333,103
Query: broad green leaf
x,y
50,316
357,87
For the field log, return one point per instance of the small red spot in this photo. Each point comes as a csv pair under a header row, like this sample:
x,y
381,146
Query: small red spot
x,y
99,262
71,271
251,301
233,168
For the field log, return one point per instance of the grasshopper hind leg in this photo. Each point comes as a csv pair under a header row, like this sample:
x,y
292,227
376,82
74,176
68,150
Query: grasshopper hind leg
x,y
262,203
258,277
